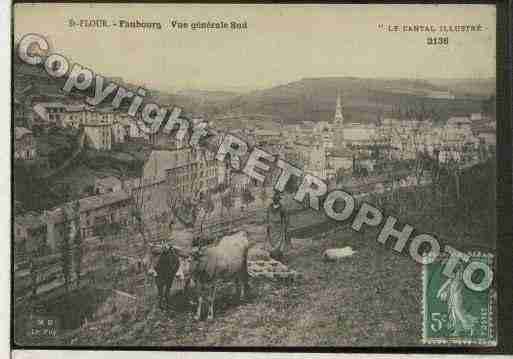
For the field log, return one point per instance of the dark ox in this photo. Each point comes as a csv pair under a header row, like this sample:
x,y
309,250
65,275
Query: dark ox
x,y
166,269
228,260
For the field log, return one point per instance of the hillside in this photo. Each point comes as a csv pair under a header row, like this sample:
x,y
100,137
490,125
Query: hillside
x,y
34,192
467,87
363,99
371,298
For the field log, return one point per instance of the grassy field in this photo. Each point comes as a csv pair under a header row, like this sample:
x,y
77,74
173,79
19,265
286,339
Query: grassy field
x,y
353,302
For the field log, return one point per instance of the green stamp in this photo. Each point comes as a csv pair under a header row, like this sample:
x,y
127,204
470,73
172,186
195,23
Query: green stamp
x,y
453,313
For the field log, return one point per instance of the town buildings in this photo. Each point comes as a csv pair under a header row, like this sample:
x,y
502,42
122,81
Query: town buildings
x,y
37,235
174,175
25,144
29,235
326,149
346,145
338,162
99,136
94,213
107,184
359,134
51,112
445,95
103,126
195,174
19,112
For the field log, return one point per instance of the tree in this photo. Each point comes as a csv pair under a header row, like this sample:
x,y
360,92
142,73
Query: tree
x,y
137,209
172,203
263,195
65,245
292,186
227,202
77,240
204,209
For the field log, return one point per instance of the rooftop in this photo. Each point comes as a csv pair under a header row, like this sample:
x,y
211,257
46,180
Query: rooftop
x,y
109,181
21,131
90,203
30,220
75,108
341,153
97,124
52,104
488,130
265,132
458,119
93,202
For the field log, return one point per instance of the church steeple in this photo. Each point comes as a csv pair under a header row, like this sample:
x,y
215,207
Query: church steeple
x,y
338,123
339,118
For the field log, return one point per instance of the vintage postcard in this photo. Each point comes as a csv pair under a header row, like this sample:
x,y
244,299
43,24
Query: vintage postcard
x,y
258,175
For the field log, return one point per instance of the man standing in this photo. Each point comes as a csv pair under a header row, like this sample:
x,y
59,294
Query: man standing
x,y
277,225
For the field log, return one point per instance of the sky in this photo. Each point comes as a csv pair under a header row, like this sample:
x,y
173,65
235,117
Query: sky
x,y
282,43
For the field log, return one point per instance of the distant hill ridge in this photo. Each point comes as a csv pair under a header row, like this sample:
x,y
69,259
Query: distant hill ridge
x,y
364,100
312,98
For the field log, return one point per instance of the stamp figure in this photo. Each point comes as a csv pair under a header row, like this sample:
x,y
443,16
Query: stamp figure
x,y
454,313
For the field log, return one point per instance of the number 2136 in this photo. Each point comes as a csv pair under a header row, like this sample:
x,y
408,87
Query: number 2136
x,y
438,41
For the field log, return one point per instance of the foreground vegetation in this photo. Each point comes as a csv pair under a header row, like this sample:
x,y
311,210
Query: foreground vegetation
x,y
372,298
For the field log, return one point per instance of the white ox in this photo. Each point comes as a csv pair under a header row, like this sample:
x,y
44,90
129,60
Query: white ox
x,y
228,260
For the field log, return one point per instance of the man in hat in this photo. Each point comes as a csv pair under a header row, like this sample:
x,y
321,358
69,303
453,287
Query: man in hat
x,y
277,225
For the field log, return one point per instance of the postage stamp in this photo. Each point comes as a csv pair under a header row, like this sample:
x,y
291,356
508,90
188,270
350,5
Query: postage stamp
x,y
453,313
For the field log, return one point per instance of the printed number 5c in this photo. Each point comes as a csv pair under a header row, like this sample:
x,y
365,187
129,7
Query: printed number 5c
x,y
436,321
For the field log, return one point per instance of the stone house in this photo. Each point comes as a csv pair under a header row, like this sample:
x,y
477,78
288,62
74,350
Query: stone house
x,y
25,144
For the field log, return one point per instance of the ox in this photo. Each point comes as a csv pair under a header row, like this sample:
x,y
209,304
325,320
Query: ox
x,y
228,260
165,270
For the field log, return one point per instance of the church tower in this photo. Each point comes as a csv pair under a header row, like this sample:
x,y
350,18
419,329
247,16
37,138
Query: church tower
x,y
339,118
338,123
